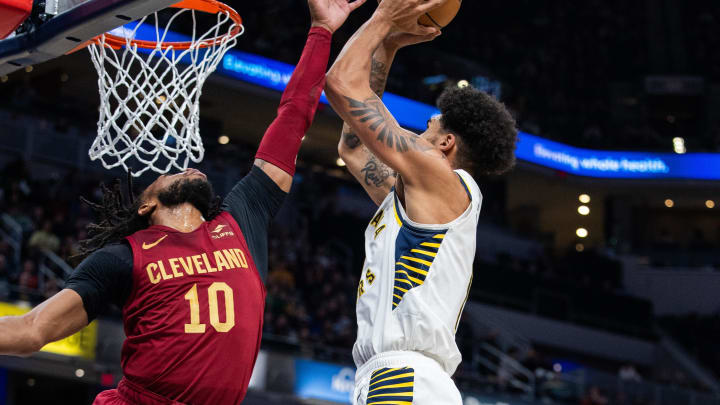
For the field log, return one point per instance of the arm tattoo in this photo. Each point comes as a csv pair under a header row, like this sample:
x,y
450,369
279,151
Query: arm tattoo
x,y
376,172
378,77
376,116
350,139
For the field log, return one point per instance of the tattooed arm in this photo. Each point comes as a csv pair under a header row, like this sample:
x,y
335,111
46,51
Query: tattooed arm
x,y
432,191
352,95
375,176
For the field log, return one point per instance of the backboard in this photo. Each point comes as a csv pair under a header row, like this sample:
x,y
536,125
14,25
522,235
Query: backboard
x,y
68,24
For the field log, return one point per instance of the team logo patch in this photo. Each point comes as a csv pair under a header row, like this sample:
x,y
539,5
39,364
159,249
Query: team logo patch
x,y
147,246
218,228
218,233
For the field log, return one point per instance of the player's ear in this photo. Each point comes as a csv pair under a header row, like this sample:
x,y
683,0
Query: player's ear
x,y
147,207
447,141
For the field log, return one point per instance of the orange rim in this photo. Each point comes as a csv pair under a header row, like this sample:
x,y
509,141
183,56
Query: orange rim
x,y
207,6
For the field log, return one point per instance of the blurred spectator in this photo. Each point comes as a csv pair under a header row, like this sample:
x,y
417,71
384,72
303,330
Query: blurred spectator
x,y
281,276
628,372
3,267
699,336
45,239
28,275
506,370
51,288
533,361
594,397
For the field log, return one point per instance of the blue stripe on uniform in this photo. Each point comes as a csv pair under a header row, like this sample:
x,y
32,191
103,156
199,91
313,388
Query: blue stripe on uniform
x,y
382,389
412,268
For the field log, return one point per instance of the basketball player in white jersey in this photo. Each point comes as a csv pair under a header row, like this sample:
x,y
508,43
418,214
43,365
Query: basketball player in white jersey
x,y
420,245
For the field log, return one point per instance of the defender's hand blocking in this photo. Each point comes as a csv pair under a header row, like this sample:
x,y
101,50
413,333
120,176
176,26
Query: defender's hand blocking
x,y
331,14
404,14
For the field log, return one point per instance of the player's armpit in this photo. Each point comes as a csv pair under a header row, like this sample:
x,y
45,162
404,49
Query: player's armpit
x,y
56,318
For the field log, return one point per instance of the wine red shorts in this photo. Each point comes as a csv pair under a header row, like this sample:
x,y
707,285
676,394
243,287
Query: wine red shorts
x,y
128,393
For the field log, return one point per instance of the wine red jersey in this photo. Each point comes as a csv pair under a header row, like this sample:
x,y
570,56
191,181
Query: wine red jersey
x,y
194,317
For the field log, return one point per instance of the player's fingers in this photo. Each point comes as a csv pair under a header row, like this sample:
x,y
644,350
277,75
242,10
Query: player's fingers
x,y
421,30
355,4
410,39
430,37
429,5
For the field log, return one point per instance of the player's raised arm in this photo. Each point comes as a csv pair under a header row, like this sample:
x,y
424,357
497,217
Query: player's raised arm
x,y
57,318
349,92
374,175
278,150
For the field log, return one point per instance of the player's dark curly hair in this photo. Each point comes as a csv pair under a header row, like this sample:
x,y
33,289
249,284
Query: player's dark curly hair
x,y
485,127
117,217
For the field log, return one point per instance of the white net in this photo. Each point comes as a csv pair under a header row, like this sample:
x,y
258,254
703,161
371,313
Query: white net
x,y
149,98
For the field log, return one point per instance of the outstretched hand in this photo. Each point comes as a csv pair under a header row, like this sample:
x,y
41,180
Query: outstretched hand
x,y
331,14
398,39
404,14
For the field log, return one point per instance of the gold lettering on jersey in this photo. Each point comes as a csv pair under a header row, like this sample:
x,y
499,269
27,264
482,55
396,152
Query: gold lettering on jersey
x,y
175,266
208,266
165,276
376,220
150,269
375,223
231,258
220,261
187,265
241,256
377,231
370,276
204,263
198,265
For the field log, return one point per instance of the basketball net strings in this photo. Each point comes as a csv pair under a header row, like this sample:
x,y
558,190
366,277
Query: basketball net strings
x,y
149,119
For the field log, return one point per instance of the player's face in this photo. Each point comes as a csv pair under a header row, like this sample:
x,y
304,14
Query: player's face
x,y
190,186
165,181
433,131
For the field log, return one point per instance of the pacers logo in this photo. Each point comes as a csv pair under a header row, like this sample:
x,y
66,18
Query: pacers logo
x,y
218,233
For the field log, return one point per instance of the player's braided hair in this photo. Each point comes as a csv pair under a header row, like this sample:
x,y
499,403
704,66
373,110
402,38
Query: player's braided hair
x,y
117,217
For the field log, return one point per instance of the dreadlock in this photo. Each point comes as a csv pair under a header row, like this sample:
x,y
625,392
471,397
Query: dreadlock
x,y
117,217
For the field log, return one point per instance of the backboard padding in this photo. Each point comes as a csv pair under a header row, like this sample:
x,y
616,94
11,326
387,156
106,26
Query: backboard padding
x,y
55,7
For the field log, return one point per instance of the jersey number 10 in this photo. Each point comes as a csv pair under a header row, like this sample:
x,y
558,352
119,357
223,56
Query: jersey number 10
x,y
192,296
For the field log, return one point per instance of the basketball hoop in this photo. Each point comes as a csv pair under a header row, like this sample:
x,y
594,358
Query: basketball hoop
x,y
150,89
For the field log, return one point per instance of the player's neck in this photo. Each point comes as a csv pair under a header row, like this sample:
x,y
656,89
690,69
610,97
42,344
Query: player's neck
x,y
184,217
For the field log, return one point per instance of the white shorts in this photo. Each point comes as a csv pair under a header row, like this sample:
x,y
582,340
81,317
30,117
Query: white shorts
x,y
404,378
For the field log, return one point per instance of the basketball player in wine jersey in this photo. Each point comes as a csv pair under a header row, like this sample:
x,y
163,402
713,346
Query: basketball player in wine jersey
x,y
186,270
420,244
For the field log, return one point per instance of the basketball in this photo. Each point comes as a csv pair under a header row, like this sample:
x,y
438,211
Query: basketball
x,y
441,16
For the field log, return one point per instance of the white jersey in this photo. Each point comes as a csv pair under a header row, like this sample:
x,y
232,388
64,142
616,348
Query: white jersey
x,y
415,281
